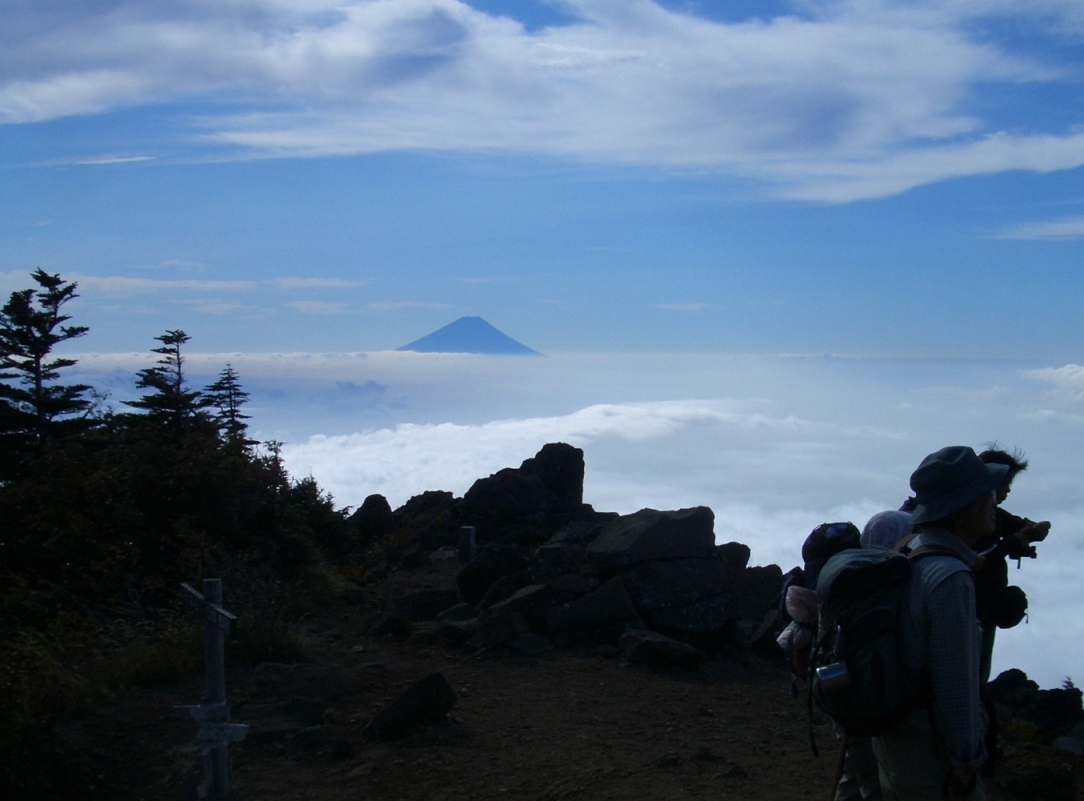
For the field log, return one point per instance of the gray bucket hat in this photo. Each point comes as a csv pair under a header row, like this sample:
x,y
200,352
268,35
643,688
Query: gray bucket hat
x,y
949,480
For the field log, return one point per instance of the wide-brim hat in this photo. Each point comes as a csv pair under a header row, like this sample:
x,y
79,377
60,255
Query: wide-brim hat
x,y
949,480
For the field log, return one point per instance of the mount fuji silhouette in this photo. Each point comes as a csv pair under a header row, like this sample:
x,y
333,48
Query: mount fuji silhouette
x,y
469,335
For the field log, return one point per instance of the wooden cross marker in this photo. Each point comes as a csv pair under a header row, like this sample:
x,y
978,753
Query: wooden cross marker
x,y
213,715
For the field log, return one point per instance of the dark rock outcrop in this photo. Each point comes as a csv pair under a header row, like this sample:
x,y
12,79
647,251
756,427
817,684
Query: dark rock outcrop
x,y
649,648
602,613
526,506
549,570
426,701
424,604
425,519
734,554
373,519
650,534
492,563
1053,712
696,600
560,467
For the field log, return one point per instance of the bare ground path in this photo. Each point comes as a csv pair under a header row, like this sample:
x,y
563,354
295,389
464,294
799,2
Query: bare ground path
x,y
564,725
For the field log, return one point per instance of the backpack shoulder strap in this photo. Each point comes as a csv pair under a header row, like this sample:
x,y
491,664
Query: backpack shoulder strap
x,y
913,551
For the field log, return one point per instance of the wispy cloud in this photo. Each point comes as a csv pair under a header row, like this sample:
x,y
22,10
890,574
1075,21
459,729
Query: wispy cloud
x,y
126,285
1066,228
691,308
225,308
1068,380
398,305
315,283
834,101
319,307
110,160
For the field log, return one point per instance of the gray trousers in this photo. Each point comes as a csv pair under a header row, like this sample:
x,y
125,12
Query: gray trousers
x,y
913,767
860,780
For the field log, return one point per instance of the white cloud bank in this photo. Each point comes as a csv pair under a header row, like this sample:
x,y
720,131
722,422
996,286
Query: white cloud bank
x,y
773,445
836,100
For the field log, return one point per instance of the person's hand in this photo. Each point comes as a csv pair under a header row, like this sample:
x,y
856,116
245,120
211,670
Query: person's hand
x,y
1024,536
1036,532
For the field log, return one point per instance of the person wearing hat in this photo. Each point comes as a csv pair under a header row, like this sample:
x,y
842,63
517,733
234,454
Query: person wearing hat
x,y
938,752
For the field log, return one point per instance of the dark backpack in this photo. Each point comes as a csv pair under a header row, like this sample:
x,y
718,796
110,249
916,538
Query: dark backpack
x,y
824,542
857,675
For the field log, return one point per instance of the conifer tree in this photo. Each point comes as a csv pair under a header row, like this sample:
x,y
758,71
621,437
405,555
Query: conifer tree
x,y
227,397
170,401
33,407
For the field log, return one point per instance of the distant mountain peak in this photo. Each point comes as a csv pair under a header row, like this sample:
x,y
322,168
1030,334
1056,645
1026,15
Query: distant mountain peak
x,y
469,335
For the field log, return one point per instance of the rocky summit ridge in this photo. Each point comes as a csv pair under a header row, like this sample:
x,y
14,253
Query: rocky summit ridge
x,y
541,571
515,643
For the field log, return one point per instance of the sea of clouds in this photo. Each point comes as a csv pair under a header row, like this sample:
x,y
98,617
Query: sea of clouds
x,y
774,445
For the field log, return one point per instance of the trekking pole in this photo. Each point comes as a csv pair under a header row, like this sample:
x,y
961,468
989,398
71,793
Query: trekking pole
x,y
839,766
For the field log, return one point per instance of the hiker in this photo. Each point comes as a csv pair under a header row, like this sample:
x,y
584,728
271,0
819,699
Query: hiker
x,y
798,603
860,778
937,753
1002,605
886,529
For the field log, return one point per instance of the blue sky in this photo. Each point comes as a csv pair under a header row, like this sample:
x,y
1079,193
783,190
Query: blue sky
x,y
775,252
862,176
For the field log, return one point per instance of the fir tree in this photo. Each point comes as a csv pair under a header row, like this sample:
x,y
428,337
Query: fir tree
x,y
170,401
227,397
33,407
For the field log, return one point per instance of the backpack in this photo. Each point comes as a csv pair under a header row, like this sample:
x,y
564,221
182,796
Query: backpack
x,y
857,676
796,639
824,542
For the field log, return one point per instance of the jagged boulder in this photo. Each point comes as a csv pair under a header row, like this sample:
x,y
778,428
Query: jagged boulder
x,y
526,505
734,554
561,469
649,648
424,604
572,586
602,613
759,591
534,602
426,519
373,519
500,625
492,563
696,600
583,529
553,560
650,534
531,603
1055,711
426,701
503,588
389,622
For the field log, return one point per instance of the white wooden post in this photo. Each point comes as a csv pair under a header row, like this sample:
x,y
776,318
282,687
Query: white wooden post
x,y
213,714
216,762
